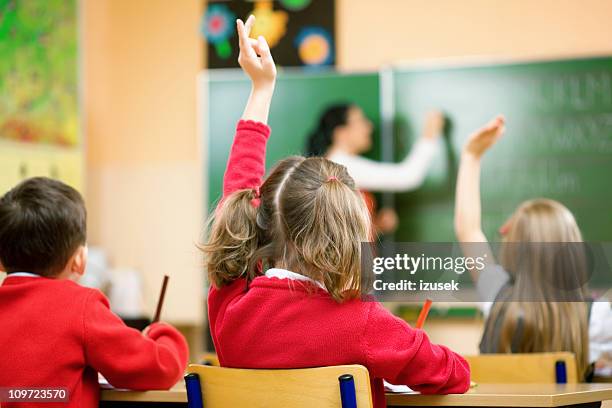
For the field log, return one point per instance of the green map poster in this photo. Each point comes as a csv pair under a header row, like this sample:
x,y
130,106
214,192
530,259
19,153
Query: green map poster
x,y
39,106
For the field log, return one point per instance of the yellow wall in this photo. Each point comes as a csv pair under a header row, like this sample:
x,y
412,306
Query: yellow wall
x,y
374,33
144,194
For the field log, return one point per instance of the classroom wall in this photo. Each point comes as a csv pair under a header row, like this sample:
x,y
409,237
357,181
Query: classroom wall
x,y
144,185
370,34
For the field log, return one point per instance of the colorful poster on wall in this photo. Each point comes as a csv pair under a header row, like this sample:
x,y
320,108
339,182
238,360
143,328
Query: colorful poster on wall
x,y
39,107
300,32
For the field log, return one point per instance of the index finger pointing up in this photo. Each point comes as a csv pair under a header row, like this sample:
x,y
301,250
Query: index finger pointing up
x,y
243,39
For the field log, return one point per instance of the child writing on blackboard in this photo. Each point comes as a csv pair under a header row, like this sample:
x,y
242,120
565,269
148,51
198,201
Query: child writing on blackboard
x,y
539,288
56,333
307,220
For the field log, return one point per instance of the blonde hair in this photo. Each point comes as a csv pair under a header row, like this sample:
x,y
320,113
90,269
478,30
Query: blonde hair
x,y
232,238
311,220
322,222
543,268
238,227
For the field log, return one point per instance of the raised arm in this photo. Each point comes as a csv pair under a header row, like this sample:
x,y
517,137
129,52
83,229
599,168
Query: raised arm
x,y
246,164
468,227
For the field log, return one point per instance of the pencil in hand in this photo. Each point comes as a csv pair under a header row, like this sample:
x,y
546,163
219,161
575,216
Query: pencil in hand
x,y
423,315
160,302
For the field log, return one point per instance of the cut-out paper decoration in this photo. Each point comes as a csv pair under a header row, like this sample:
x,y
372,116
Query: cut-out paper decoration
x,y
218,27
299,32
272,24
314,46
295,5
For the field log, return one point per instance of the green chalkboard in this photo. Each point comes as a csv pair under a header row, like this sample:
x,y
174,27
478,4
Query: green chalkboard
x,y
558,142
299,99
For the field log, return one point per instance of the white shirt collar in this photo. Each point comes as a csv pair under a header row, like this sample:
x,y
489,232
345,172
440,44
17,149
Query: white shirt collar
x,y
285,274
27,274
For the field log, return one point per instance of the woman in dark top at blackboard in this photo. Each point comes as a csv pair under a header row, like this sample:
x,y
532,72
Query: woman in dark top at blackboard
x,y
537,296
344,132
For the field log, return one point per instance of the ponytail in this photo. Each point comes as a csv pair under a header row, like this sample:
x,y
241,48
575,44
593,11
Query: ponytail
x,y
233,238
243,228
323,221
320,140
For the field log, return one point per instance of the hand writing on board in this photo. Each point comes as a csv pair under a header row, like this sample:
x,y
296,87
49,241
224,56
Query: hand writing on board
x,y
255,57
434,125
485,137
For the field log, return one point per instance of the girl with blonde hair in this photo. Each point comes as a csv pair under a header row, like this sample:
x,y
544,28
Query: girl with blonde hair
x,y
306,222
539,288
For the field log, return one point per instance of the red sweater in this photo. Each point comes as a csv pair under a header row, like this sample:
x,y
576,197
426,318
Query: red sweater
x,y
279,323
56,333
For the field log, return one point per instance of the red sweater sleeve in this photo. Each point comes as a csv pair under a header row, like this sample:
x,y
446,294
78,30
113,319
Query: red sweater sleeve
x,y
247,161
126,357
403,355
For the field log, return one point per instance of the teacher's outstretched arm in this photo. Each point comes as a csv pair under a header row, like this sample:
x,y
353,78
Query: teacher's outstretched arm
x,y
406,175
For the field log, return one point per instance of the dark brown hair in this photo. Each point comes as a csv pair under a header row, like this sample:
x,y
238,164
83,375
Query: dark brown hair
x,y
321,139
42,224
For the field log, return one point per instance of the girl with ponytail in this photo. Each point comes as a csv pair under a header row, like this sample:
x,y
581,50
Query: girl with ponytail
x,y
283,258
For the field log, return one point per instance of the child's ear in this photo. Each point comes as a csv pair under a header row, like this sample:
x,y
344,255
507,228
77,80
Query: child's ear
x,y
79,261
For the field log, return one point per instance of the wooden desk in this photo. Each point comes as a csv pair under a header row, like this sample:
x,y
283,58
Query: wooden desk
x,y
176,397
513,395
484,395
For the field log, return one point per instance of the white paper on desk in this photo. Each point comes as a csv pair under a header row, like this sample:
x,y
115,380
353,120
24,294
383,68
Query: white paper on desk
x,y
105,385
399,389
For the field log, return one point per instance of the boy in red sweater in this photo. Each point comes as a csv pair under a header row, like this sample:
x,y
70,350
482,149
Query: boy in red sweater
x,y
55,333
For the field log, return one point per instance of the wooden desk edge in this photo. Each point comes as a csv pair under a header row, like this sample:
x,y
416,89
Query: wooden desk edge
x,y
173,395
179,395
507,400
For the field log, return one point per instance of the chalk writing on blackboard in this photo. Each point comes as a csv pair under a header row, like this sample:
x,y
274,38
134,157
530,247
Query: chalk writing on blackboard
x,y
574,92
590,133
544,177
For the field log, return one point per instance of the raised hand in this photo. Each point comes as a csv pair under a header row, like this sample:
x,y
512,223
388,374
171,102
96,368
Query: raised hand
x,y
255,58
468,208
485,137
